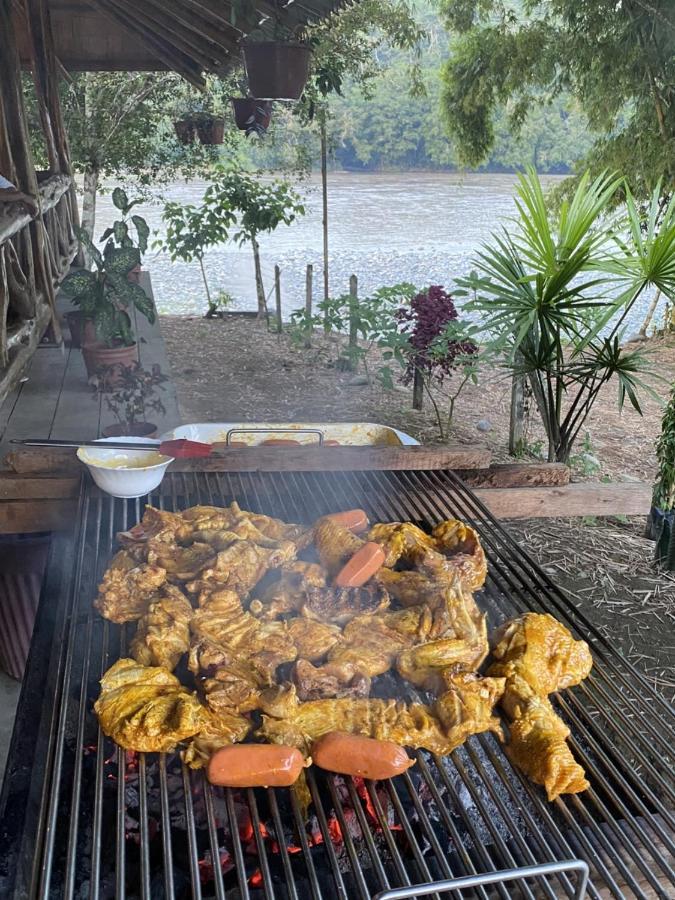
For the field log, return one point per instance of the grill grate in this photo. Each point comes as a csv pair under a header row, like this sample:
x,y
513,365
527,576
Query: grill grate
x,y
83,819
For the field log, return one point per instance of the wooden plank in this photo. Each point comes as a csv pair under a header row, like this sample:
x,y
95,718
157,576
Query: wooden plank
x,y
337,459
32,415
27,516
43,461
508,475
587,499
77,412
22,487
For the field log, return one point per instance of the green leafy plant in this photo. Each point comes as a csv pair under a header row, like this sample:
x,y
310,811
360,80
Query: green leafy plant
x,y
663,496
554,292
222,301
258,205
585,463
119,233
106,295
135,393
191,230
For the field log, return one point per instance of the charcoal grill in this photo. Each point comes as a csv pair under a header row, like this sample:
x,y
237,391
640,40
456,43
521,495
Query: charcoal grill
x,y
82,819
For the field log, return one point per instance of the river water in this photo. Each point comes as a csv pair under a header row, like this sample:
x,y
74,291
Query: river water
x,y
385,228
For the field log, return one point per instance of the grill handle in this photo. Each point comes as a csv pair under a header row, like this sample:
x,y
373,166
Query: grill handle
x,y
471,881
316,431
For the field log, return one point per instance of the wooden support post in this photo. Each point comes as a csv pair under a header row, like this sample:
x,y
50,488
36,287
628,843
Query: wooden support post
x,y
353,308
324,197
309,278
517,420
418,390
277,297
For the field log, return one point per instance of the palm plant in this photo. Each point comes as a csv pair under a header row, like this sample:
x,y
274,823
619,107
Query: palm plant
x,y
555,291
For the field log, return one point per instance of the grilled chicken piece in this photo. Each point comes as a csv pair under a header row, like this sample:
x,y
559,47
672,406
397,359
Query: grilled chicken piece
x,y
221,619
232,682
233,518
538,741
461,544
335,544
541,650
220,729
330,680
426,664
400,541
157,526
241,566
163,633
146,708
182,563
410,725
410,587
288,592
128,588
467,705
312,639
338,606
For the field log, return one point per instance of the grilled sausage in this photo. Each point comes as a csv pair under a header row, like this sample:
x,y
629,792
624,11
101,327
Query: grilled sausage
x,y
354,519
331,443
367,560
280,442
255,765
352,754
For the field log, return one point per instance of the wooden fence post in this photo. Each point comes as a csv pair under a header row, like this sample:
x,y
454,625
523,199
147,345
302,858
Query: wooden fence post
x,y
418,389
353,306
277,297
308,304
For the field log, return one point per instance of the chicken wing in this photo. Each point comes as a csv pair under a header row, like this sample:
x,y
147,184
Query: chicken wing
x,y
128,588
461,545
335,544
146,708
541,650
400,541
467,706
163,632
426,664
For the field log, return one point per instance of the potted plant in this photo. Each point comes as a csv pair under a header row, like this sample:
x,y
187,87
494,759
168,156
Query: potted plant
x,y
133,397
200,117
104,296
662,513
277,69
252,115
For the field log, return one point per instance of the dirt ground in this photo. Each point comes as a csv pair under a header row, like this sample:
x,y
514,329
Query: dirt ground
x,y
234,370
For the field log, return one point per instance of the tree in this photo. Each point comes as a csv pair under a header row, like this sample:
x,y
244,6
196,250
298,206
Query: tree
x,y
616,59
260,206
555,291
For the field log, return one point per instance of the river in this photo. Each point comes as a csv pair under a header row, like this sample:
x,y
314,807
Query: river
x,y
385,228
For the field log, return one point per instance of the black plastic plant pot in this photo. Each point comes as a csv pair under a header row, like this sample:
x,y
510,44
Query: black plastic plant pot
x,y
276,71
662,530
252,115
185,130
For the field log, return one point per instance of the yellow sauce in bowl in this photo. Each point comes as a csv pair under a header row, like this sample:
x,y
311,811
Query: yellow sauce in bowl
x,y
124,461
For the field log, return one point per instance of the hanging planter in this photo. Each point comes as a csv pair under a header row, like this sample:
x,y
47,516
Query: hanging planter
x,y
210,129
275,70
185,129
252,115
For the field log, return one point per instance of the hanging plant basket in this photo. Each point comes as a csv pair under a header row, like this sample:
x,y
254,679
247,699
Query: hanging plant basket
x,y
210,129
185,130
277,71
252,115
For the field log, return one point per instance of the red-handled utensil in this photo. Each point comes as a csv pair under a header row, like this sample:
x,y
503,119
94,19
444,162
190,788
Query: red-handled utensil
x,y
180,448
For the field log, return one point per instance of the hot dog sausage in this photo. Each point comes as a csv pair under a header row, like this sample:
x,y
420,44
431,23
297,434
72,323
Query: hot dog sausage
x,y
280,442
331,443
352,754
255,765
362,566
354,519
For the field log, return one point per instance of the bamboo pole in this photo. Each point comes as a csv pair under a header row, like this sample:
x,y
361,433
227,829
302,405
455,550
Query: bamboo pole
x,y
353,304
210,31
4,309
309,279
277,297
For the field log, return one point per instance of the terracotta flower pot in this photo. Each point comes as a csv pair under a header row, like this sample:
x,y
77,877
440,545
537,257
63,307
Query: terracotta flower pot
x,y
252,115
82,330
138,429
210,129
276,71
97,356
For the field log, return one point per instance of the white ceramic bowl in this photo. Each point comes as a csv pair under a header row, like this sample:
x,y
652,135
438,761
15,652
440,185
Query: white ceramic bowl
x,y
124,473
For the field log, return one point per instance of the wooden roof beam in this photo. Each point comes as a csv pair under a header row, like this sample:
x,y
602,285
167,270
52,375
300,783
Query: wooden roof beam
x,y
206,27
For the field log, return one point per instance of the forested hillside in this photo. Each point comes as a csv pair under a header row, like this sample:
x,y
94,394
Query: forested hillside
x,y
396,126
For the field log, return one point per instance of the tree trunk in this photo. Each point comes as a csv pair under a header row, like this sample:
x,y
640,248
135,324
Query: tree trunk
x,y
650,313
211,309
260,290
90,188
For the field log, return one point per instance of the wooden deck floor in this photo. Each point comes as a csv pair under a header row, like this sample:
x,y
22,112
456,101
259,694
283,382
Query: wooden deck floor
x,y
55,401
